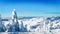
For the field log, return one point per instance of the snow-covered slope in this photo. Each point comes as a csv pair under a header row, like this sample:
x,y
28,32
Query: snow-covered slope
x,y
45,24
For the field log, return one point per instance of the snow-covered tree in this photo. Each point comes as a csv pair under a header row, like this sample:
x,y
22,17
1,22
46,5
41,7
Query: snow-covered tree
x,y
2,27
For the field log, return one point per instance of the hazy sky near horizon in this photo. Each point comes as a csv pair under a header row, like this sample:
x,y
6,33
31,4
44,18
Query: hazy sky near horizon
x,y
30,7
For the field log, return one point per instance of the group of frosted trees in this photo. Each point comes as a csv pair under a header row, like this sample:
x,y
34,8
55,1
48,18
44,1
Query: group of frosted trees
x,y
14,27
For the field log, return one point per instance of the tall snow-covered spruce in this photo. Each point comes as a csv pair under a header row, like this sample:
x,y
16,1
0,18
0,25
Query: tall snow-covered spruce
x,y
14,16
14,27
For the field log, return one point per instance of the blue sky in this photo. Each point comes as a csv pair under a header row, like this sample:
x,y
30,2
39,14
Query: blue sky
x,y
30,7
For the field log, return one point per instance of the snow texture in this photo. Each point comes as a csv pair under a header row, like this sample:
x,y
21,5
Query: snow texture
x,y
30,25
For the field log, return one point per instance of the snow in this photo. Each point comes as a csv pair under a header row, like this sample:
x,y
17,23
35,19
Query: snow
x,y
40,24
41,28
